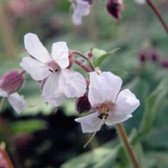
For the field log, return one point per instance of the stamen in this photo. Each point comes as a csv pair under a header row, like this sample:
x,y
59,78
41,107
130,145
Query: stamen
x,y
93,135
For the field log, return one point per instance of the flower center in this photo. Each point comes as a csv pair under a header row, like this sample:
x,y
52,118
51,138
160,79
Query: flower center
x,y
104,110
53,66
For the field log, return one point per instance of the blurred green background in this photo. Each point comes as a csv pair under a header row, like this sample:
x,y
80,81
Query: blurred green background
x,y
48,137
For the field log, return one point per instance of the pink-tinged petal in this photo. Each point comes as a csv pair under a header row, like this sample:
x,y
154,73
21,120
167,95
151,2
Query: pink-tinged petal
x,y
113,119
73,83
90,123
17,102
126,102
103,87
36,69
81,8
52,91
60,54
3,93
35,48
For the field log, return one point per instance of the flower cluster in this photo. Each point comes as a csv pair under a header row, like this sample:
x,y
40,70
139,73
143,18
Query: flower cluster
x,y
101,94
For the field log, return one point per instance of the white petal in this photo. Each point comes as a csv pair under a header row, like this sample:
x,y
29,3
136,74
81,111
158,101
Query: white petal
x,y
126,102
90,123
60,54
81,8
52,91
17,102
3,93
35,48
140,2
36,69
113,119
103,87
73,83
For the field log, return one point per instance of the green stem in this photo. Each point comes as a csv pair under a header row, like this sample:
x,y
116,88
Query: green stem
x,y
127,146
157,13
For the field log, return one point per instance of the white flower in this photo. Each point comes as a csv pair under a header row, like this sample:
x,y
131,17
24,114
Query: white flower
x,y
60,82
110,105
140,2
80,8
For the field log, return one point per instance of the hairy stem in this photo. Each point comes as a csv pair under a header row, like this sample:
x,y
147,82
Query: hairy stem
x,y
127,146
84,57
84,67
157,13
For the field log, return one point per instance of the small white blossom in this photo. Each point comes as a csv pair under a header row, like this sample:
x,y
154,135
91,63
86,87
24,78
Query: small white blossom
x,y
140,2
80,8
109,104
60,82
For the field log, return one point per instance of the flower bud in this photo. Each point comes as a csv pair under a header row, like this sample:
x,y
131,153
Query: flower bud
x,y
164,63
154,56
115,7
83,104
143,56
11,81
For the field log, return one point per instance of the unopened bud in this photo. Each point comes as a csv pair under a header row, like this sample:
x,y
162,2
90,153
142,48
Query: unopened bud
x,y
83,104
143,56
115,7
164,63
154,56
11,81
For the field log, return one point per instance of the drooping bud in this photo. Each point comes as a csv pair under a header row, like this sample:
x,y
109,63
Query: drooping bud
x,y
164,63
154,56
115,7
11,81
83,104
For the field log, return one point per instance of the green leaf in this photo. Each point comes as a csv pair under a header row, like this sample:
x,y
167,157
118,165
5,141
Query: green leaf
x,y
101,55
28,126
153,106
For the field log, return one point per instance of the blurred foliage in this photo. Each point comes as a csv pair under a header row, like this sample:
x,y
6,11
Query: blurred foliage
x,y
57,138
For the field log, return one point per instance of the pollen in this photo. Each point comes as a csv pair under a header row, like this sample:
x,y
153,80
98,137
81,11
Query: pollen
x,y
104,110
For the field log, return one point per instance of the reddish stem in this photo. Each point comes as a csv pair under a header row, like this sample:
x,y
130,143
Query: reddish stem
x,y
87,69
157,13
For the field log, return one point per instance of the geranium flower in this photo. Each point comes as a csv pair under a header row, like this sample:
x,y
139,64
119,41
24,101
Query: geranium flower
x,y
110,105
80,8
60,82
10,84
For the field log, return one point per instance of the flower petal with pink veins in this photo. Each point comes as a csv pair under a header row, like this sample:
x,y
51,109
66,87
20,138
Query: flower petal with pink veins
x,y
60,54
52,90
104,87
73,83
35,48
90,123
126,102
36,69
17,102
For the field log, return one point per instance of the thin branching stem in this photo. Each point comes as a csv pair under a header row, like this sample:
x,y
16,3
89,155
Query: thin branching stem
x,y
157,13
127,146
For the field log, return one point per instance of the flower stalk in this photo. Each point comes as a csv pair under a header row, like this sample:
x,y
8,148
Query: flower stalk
x,y
127,146
157,13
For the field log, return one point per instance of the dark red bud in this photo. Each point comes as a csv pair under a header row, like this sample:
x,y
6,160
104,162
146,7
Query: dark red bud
x,y
83,104
115,7
164,63
11,81
154,56
143,56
